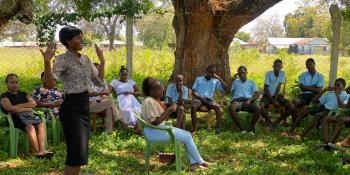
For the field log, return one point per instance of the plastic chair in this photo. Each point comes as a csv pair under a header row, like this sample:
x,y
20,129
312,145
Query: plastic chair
x,y
149,144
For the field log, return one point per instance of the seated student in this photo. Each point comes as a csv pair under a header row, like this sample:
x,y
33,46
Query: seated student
x,y
340,121
20,106
177,93
203,92
126,91
48,98
100,102
155,112
333,99
273,81
311,83
244,94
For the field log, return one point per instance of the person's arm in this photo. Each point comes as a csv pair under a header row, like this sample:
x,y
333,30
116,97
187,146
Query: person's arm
x,y
180,101
110,88
310,88
223,83
267,92
194,90
318,95
339,100
93,94
165,115
99,52
137,91
48,55
254,97
6,104
29,104
256,92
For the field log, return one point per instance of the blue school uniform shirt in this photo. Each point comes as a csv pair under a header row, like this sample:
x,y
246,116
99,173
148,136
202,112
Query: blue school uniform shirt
x,y
308,80
171,92
329,99
272,81
206,88
243,90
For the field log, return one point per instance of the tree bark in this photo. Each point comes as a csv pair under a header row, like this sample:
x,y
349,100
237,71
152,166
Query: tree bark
x,y
204,30
336,25
22,9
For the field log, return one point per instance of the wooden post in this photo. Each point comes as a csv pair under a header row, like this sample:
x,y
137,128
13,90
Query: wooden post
x,y
336,25
129,43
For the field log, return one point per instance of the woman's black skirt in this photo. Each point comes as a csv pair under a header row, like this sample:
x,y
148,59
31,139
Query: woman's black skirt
x,y
75,119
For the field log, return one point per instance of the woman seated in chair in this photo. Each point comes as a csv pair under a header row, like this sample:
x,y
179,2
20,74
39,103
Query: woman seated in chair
x,y
20,106
48,98
155,112
126,91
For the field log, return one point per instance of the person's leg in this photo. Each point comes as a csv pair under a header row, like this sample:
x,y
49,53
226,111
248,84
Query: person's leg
x,y
318,117
217,110
180,117
264,106
255,110
283,116
71,170
346,142
41,135
194,108
325,127
233,108
191,148
31,134
339,125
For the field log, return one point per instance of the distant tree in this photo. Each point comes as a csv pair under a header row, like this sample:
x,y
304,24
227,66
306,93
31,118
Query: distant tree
x,y
268,27
307,21
244,36
18,31
156,31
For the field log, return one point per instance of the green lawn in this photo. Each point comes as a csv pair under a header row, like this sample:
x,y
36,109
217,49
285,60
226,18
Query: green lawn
x,y
234,153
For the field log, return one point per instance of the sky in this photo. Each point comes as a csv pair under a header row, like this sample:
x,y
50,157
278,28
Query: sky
x,y
282,9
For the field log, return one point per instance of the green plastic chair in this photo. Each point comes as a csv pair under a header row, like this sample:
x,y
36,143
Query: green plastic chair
x,y
55,126
149,144
14,135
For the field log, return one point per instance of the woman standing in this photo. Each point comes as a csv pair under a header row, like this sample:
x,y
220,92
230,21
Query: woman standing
x,y
76,71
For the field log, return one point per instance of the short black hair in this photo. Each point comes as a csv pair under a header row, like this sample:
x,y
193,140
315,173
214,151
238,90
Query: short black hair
x,y
67,33
42,74
147,85
278,61
211,67
310,60
8,76
242,67
341,80
123,68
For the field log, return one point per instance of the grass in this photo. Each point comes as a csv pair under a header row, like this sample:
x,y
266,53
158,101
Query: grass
x,y
234,153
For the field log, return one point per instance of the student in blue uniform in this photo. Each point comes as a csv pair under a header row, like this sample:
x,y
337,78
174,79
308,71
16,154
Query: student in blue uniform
x,y
272,85
244,93
177,93
203,92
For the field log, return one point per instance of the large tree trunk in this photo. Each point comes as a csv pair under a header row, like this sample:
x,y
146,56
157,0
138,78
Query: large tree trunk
x,y
336,25
22,9
204,30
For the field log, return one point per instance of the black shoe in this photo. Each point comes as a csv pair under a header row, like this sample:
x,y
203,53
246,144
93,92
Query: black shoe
x,y
47,155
